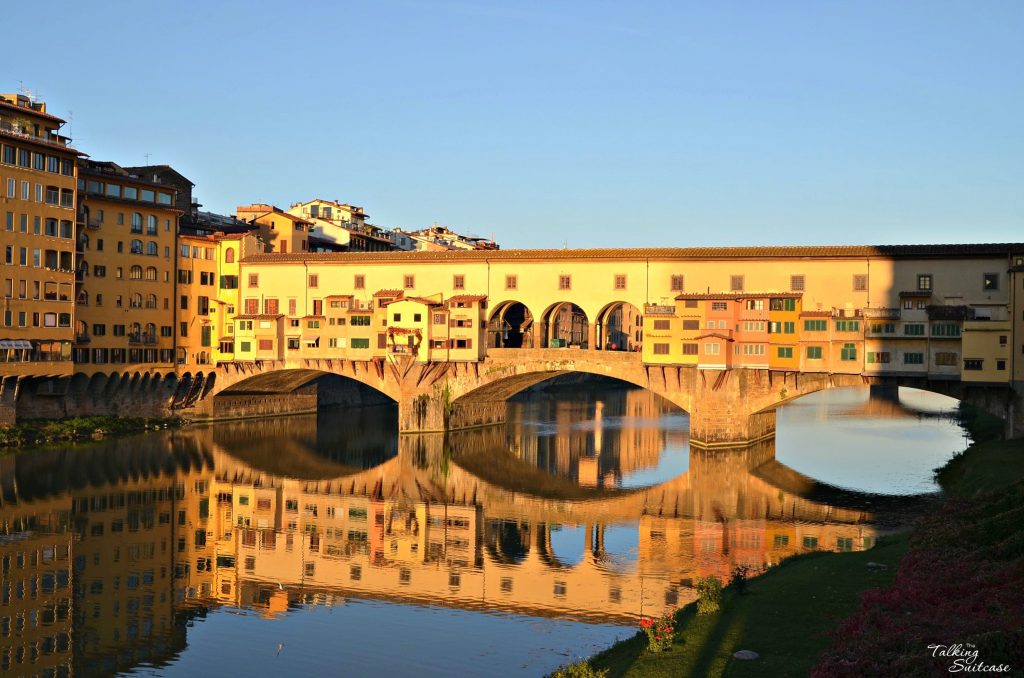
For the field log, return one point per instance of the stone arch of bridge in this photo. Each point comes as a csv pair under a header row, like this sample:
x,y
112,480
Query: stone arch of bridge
x,y
288,379
503,388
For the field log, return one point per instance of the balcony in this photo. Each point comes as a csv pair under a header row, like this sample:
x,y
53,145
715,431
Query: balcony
x,y
82,339
882,313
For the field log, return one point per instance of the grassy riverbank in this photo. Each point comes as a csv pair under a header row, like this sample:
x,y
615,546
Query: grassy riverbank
x,y
36,432
957,578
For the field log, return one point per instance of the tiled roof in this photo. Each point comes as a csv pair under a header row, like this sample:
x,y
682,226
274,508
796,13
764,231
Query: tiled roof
x,y
259,316
815,251
916,293
388,293
740,295
29,111
714,334
466,297
40,141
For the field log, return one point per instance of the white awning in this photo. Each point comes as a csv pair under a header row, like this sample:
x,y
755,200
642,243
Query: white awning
x,y
15,343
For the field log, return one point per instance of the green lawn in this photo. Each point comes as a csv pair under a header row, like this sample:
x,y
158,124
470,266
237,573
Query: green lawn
x,y
984,467
784,617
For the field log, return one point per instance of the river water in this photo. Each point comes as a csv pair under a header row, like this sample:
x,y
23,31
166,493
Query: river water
x,y
327,544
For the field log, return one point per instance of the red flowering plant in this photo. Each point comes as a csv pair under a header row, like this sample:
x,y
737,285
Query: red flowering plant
x,y
660,632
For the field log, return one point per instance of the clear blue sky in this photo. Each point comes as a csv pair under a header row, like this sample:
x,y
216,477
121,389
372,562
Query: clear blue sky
x,y
589,123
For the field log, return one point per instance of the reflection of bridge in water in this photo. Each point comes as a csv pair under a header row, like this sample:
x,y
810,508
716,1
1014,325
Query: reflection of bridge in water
x,y
214,516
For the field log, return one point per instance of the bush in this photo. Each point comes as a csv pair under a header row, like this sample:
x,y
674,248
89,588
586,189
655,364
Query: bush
x,y
739,578
709,595
581,669
660,632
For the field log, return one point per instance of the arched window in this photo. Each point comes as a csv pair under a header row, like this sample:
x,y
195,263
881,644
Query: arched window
x,y
151,330
135,273
136,222
136,247
81,330
151,273
150,225
150,301
229,255
135,301
152,249
135,331
83,298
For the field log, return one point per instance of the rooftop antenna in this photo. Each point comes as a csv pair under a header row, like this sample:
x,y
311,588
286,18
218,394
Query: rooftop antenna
x,y
71,121
147,157
32,96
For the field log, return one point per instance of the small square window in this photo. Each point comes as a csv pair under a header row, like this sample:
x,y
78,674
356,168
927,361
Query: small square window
x,y
409,282
359,282
736,283
990,282
511,282
678,283
565,282
796,283
860,283
620,282
924,282
459,282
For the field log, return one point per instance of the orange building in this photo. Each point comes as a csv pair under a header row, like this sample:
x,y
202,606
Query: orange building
x,y
125,296
37,215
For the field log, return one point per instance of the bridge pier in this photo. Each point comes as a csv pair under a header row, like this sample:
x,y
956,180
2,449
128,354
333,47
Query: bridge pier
x,y
717,428
433,412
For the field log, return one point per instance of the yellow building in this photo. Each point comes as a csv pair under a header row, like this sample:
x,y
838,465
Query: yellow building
x,y
784,331
196,291
280,231
987,350
229,252
37,236
340,226
432,330
126,303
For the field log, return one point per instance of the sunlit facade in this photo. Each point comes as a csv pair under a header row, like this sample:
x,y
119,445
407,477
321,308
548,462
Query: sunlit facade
x,y
126,302
37,238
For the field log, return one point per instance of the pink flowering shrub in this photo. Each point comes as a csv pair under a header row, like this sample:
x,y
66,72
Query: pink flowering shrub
x,y
961,583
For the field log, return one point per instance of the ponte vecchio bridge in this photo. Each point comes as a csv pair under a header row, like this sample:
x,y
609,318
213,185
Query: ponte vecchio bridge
x,y
727,334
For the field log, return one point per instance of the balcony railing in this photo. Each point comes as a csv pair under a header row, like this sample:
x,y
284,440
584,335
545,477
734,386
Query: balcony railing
x,y
882,313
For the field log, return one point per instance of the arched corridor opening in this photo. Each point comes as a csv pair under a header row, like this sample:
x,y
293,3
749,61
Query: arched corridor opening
x,y
510,326
565,325
619,327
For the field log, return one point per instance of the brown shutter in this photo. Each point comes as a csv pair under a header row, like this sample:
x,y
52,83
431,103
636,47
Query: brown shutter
x,y
382,340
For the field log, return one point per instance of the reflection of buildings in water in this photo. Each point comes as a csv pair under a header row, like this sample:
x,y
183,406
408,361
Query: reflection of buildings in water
x,y
621,434
149,541
35,592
